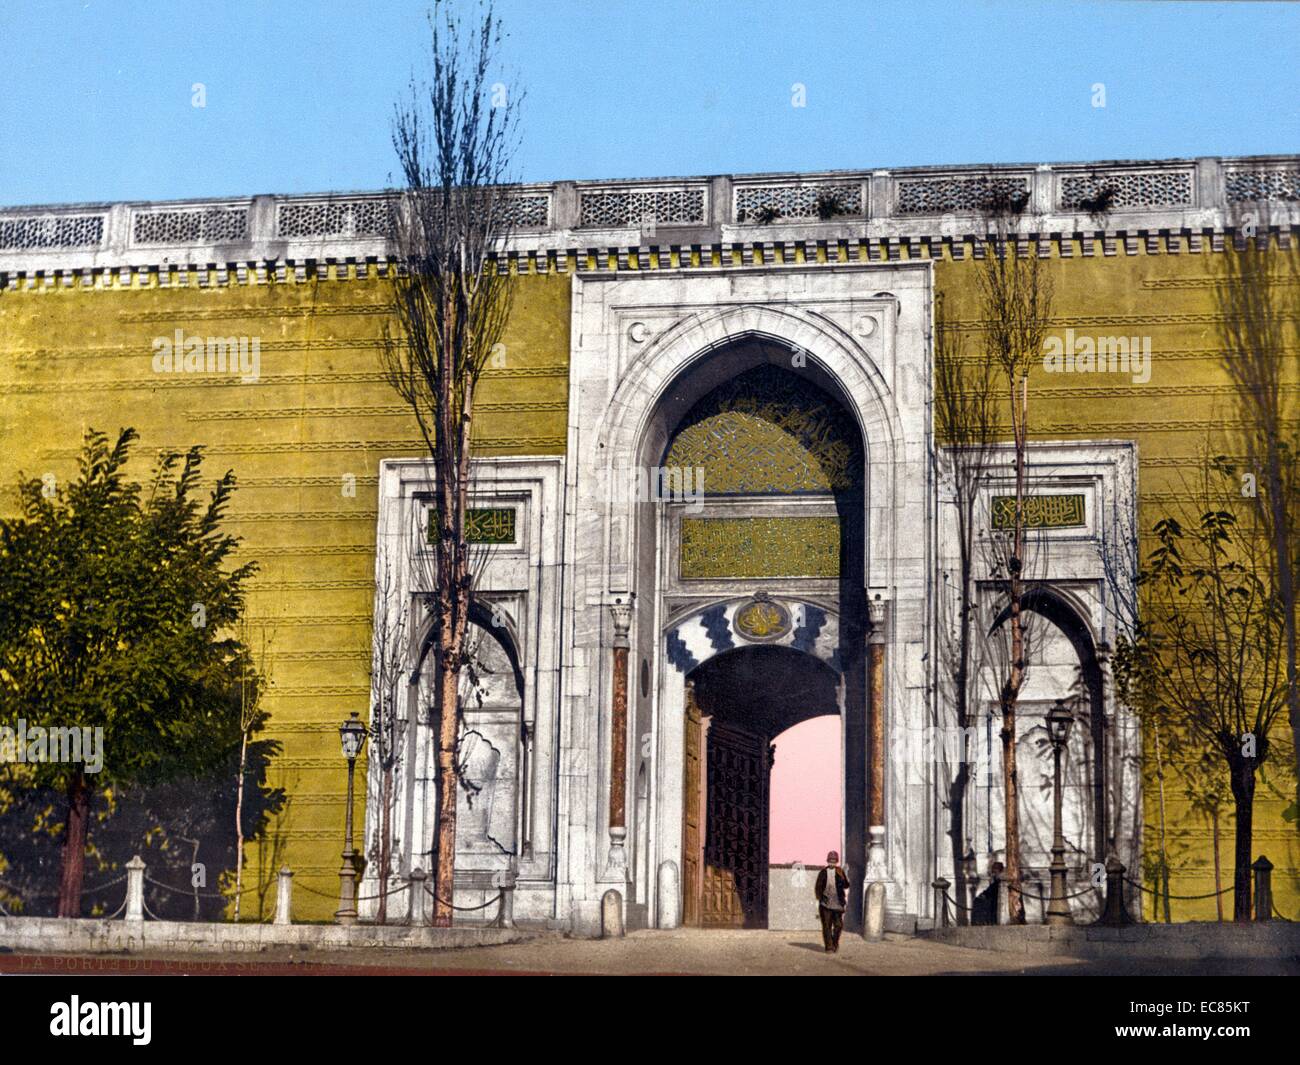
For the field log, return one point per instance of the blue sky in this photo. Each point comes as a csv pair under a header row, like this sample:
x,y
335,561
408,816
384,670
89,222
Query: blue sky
x,y
96,99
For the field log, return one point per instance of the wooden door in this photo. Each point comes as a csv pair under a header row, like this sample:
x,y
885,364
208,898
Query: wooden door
x,y
734,889
692,807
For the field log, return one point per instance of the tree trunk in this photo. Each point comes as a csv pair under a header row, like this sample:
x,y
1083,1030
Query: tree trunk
x,y
1162,880
957,792
385,848
957,818
448,729
1218,868
1016,675
74,846
1243,798
239,822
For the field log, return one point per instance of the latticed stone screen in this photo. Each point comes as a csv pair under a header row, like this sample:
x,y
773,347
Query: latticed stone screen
x,y
362,218
1141,188
754,203
939,195
616,207
52,231
212,226
1244,186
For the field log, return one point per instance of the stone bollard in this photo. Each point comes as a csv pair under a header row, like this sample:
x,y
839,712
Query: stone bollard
x,y
1263,889
611,915
668,913
135,889
284,897
506,911
941,887
1003,910
416,911
1116,914
873,924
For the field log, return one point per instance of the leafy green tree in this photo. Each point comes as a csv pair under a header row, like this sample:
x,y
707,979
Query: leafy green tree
x,y
117,611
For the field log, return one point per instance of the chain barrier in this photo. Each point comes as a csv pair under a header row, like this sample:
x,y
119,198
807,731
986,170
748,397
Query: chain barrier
x,y
360,898
465,909
1020,891
1048,898
954,902
91,891
1179,898
190,892
54,894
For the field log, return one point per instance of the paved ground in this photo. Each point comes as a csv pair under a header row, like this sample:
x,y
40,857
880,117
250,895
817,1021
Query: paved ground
x,y
688,951
684,952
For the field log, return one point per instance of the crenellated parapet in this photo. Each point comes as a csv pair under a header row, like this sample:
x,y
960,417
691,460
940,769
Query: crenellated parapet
x,y
1104,209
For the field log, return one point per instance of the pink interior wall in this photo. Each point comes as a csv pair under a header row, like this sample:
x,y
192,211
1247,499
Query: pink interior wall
x,y
807,792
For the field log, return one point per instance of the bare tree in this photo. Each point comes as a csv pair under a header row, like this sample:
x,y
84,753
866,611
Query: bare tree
x,y
1258,294
455,137
1119,552
968,422
388,657
1016,305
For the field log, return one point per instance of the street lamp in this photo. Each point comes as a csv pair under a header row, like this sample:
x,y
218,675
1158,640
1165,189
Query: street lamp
x,y
352,734
1059,721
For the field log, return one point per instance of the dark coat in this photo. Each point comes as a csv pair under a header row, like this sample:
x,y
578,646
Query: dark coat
x,y
841,885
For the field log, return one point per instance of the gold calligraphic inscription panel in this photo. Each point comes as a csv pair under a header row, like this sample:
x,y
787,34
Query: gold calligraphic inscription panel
x,y
714,548
1041,512
483,525
768,432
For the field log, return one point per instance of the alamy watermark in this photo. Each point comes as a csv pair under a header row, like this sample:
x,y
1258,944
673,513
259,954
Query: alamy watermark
x,y
195,354
77,1018
1108,354
658,484
60,743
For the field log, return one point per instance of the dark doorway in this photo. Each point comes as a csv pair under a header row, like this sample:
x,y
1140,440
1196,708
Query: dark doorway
x,y
737,703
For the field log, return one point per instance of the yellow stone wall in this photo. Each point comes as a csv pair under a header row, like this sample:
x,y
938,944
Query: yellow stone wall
x,y
1187,400
73,357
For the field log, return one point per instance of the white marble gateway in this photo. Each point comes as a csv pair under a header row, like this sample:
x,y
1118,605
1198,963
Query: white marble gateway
x,y
591,576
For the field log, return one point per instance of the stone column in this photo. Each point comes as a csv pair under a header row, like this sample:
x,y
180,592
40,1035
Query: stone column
x,y
876,869
617,861
873,921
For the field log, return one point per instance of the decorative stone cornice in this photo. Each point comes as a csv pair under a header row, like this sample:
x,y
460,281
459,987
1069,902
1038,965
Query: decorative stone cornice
x,y
1158,206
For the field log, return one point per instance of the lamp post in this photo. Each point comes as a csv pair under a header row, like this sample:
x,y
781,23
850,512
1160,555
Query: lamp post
x,y
352,734
1059,720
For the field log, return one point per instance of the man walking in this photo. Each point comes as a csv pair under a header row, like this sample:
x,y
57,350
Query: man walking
x,y
832,889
